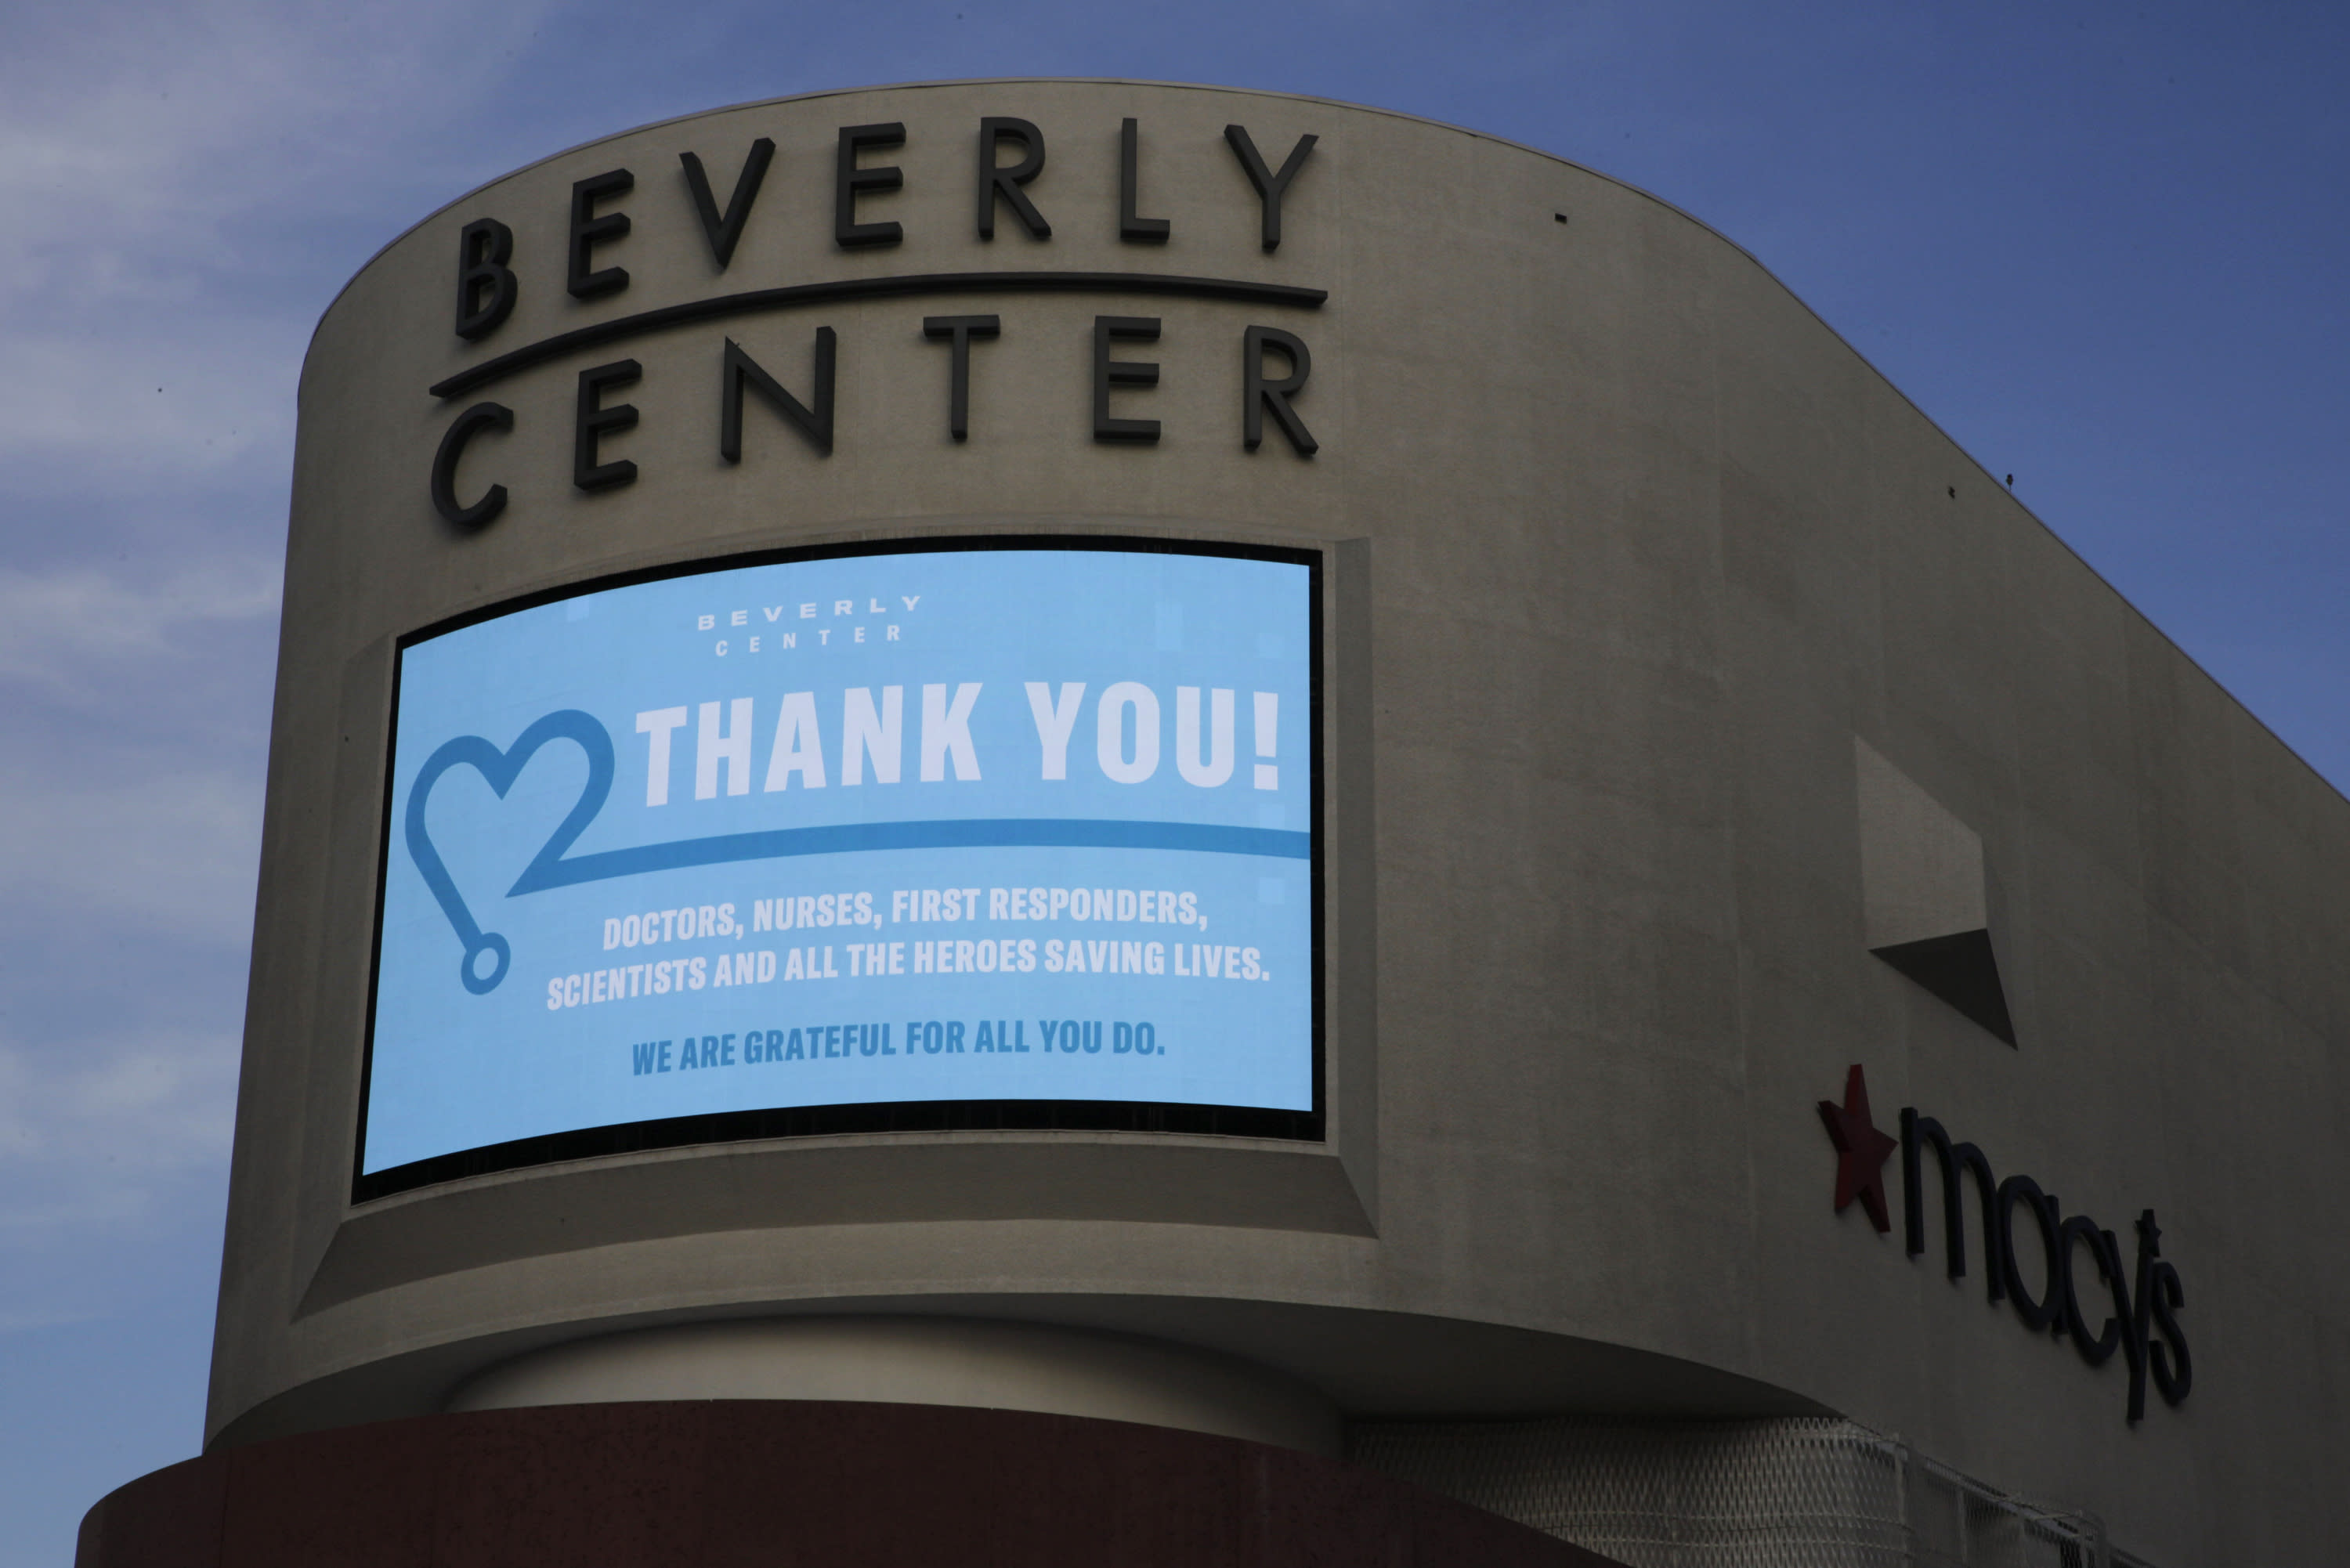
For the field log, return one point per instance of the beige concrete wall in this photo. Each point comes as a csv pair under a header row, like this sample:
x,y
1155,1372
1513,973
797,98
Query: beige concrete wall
x,y
1626,549
920,1361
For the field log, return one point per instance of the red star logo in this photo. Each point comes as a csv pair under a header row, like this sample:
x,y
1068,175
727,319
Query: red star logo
x,y
1861,1150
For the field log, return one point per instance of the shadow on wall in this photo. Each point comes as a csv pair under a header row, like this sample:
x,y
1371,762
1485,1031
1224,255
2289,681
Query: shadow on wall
x,y
1926,892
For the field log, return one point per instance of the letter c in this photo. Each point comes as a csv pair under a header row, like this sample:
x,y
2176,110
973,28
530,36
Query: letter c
x,y
2097,1348
480,417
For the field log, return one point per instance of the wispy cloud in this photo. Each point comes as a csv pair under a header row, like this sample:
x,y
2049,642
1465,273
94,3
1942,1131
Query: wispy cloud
x,y
58,627
108,1149
165,171
186,187
164,854
131,792
123,123
90,1129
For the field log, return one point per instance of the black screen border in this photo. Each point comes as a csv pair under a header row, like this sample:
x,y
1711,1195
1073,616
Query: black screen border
x,y
890,1116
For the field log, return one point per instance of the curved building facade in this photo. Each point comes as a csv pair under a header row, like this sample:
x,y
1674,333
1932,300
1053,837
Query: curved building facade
x,y
1199,763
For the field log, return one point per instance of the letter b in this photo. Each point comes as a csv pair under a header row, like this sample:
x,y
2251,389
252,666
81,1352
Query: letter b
x,y
483,249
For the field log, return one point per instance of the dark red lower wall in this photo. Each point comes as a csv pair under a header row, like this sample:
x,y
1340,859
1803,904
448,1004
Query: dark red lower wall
x,y
785,1484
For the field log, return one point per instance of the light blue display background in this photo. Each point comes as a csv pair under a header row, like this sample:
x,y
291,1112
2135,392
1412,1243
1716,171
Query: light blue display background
x,y
453,1069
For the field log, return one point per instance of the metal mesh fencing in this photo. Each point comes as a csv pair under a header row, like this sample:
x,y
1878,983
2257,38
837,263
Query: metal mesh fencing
x,y
1787,1493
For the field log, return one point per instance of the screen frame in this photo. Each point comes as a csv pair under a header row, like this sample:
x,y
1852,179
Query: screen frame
x,y
722,1128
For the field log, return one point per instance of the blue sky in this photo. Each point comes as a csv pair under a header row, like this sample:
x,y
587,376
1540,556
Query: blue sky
x,y
2104,246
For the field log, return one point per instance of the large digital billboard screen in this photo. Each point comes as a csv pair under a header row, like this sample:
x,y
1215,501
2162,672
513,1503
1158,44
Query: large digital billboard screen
x,y
984,832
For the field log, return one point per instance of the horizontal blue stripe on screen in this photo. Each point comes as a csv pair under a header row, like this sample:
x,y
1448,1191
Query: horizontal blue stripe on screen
x,y
1020,833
